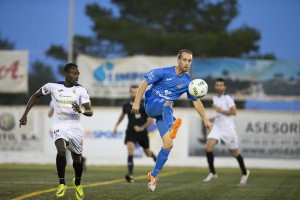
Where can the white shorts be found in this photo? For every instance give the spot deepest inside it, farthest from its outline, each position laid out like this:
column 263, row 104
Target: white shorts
column 72, row 135
column 227, row 135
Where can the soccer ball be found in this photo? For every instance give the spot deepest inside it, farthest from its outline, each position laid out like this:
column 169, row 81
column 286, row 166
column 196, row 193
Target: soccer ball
column 198, row 88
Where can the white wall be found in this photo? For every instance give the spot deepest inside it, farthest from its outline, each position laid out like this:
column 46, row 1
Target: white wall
column 267, row 139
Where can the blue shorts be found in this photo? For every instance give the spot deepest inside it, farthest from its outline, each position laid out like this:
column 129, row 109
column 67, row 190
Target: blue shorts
column 154, row 108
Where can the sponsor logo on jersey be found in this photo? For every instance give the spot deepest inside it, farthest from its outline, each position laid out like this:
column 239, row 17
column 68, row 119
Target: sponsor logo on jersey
column 179, row 86
column 61, row 95
column 45, row 90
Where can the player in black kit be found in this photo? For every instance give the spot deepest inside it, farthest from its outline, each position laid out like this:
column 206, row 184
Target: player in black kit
column 136, row 131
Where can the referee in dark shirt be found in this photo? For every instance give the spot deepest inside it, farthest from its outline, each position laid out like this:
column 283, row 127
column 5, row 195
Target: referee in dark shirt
column 136, row 131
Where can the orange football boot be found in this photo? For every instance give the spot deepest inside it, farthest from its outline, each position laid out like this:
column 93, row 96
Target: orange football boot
column 174, row 129
column 152, row 182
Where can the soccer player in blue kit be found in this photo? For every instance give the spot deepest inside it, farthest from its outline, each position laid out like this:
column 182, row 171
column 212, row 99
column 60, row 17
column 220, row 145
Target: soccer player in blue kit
column 167, row 85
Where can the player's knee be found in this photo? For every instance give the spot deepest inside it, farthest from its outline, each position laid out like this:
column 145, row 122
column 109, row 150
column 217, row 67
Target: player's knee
column 62, row 151
column 235, row 153
column 208, row 148
column 77, row 159
column 148, row 153
column 130, row 151
column 168, row 103
column 168, row 146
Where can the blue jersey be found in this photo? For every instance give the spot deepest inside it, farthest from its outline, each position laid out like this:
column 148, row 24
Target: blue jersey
column 166, row 84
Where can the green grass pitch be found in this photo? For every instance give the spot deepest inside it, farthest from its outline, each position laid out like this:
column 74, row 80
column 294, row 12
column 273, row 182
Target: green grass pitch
column 107, row 182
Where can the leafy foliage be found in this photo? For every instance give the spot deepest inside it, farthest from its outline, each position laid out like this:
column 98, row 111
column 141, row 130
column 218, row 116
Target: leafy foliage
column 57, row 52
column 41, row 74
column 163, row 27
column 5, row 44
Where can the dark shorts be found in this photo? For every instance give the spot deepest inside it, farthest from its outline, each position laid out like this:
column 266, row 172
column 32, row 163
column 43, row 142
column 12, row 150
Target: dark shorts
column 140, row 137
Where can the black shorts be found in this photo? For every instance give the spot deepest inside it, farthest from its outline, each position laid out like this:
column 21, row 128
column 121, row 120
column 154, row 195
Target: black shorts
column 140, row 137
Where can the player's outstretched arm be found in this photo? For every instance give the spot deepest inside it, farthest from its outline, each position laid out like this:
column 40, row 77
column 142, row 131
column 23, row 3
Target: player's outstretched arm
column 88, row 111
column 32, row 101
column 118, row 122
column 148, row 123
column 138, row 98
column 201, row 111
column 232, row 110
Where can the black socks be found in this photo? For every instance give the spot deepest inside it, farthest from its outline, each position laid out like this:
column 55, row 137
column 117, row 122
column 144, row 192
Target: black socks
column 61, row 162
column 130, row 164
column 78, row 167
column 242, row 165
column 210, row 160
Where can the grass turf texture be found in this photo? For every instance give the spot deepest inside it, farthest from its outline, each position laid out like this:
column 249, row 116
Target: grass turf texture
column 107, row 182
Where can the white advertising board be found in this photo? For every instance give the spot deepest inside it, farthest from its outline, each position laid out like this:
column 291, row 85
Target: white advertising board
column 13, row 71
column 265, row 140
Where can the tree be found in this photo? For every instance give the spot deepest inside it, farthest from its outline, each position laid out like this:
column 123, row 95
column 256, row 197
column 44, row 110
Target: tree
column 82, row 45
column 40, row 75
column 5, row 44
column 163, row 27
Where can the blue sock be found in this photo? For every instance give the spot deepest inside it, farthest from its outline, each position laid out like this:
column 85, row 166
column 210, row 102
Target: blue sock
column 167, row 115
column 162, row 157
